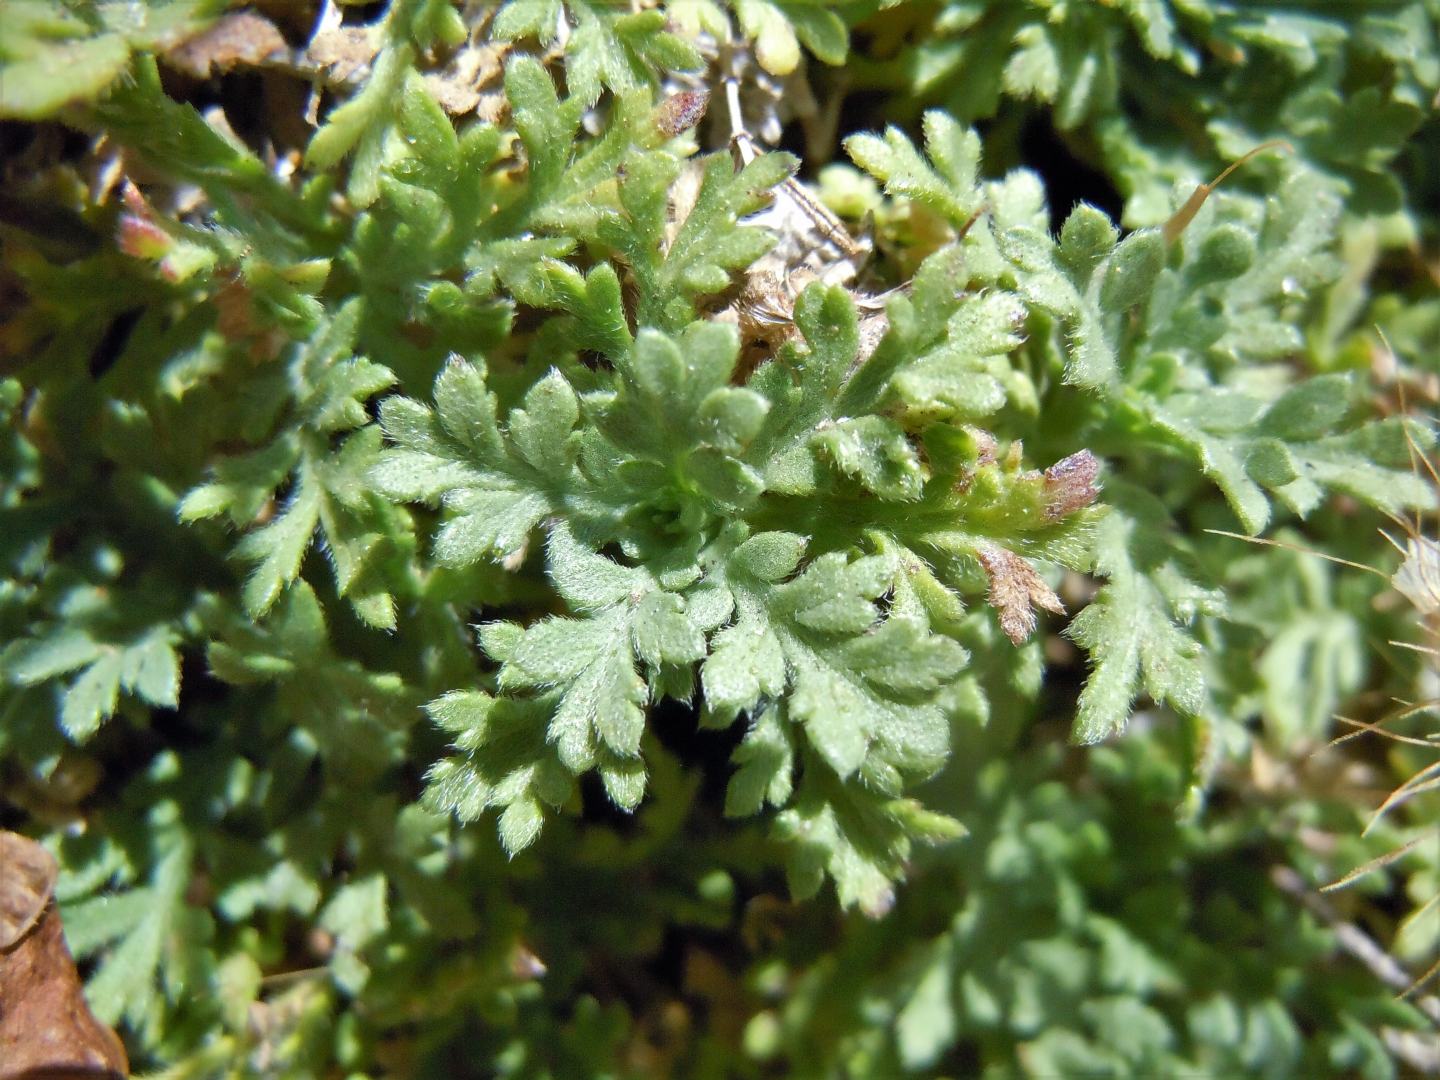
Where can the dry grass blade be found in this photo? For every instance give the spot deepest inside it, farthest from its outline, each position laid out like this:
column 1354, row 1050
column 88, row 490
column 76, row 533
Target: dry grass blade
column 1377, row 863
column 1427, row 779
column 1265, row 542
column 1430, row 973
column 1364, row 728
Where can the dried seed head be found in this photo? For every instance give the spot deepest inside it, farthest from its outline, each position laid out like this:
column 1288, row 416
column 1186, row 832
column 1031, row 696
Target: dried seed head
column 1016, row 590
column 1070, row 484
column 680, row 112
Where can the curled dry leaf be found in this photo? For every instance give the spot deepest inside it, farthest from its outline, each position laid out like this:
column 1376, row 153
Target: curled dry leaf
column 344, row 53
column 470, row 82
column 240, row 39
column 1418, row 578
column 46, row 1029
column 26, row 885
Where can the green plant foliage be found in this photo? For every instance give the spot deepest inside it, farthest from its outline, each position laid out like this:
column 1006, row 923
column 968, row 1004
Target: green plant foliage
column 1347, row 86
column 1077, row 960
column 327, row 490
column 493, row 582
column 58, row 54
column 679, row 499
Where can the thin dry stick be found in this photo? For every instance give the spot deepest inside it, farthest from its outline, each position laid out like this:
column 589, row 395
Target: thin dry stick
column 820, row 215
column 1355, row 941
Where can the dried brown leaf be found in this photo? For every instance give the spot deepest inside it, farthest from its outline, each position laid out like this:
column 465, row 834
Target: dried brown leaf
column 46, row 1029
column 345, row 52
column 240, row 39
column 27, row 881
column 472, row 76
